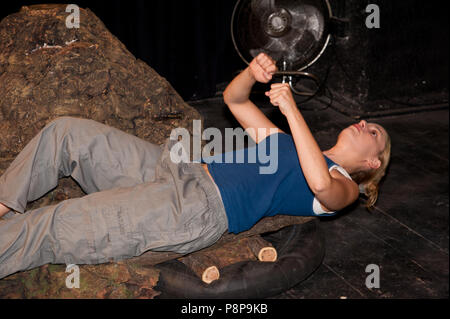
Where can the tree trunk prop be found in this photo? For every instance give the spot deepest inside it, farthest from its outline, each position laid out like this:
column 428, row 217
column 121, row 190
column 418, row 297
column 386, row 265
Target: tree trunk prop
column 48, row 70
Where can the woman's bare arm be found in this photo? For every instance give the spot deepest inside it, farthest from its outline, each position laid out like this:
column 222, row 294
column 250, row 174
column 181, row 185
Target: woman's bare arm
column 334, row 192
column 237, row 94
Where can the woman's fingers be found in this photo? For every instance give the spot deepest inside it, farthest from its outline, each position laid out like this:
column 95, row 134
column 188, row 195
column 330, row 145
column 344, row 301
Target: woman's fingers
column 267, row 76
column 263, row 59
column 277, row 90
column 279, row 94
column 277, row 87
column 277, row 98
column 274, row 94
column 267, row 63
column 272, row 68
column 262, row 68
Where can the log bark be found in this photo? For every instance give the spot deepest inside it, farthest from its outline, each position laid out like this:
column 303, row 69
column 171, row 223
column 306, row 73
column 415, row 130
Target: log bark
column 262, row 249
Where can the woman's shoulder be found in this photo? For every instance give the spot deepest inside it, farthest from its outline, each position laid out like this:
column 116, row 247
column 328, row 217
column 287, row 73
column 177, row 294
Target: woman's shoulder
column 337, row 171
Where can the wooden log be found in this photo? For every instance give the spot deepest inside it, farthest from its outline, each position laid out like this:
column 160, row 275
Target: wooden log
column 262, row 249
column 207, row 264
column 203, row 266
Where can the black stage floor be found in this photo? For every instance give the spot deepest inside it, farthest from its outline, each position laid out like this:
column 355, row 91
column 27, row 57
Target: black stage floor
column 406, row 235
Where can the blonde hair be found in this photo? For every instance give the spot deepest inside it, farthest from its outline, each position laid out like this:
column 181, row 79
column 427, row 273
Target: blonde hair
column 369, row 180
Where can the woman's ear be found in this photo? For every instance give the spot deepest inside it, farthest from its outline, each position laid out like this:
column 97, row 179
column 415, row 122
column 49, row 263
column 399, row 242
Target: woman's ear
column 374, row 163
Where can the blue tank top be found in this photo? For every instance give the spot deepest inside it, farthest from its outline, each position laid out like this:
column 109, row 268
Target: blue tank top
column 263, row 180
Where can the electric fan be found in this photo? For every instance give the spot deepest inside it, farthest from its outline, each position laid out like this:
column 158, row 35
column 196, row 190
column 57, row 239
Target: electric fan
column 295, row 33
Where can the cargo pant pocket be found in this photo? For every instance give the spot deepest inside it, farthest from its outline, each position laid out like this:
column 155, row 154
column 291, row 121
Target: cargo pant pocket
column 74, row 236
column 113, row 236
column 95, row 236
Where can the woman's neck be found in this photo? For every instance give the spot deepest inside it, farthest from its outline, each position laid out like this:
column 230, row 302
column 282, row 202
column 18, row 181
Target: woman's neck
column 341, row 158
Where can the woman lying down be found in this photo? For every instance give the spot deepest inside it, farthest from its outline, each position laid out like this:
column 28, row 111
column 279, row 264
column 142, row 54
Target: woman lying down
column 138, row 199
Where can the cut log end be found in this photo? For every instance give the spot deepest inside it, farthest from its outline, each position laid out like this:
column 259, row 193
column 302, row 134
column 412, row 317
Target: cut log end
column 203, row 265
column 267, row 254
column 262, row 249
column 210, row 274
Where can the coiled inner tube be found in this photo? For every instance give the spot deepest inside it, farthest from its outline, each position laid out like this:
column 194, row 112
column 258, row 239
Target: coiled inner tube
column 300, row 248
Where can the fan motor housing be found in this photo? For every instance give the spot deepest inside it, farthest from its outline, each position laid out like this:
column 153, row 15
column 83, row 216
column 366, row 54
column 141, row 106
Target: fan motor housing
column 278, row 23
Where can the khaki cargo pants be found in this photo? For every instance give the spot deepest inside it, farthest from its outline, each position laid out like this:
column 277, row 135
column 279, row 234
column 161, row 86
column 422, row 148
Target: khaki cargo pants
column 138, row 199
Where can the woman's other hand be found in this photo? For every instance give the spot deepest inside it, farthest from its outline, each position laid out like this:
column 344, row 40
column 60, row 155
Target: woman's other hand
column 280, row 95
column 262, row 68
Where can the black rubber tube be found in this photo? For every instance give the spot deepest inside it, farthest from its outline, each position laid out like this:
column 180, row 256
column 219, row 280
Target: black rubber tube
column 300, row 249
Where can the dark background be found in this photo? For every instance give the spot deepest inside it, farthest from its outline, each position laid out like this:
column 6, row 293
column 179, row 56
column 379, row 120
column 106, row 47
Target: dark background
column 189, row 43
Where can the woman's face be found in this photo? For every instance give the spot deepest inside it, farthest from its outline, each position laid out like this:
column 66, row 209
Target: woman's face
column 365, row 140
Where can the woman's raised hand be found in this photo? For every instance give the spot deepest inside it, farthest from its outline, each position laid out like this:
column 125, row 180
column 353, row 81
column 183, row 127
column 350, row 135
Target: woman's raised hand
column 280, row 95
column 262, row 68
